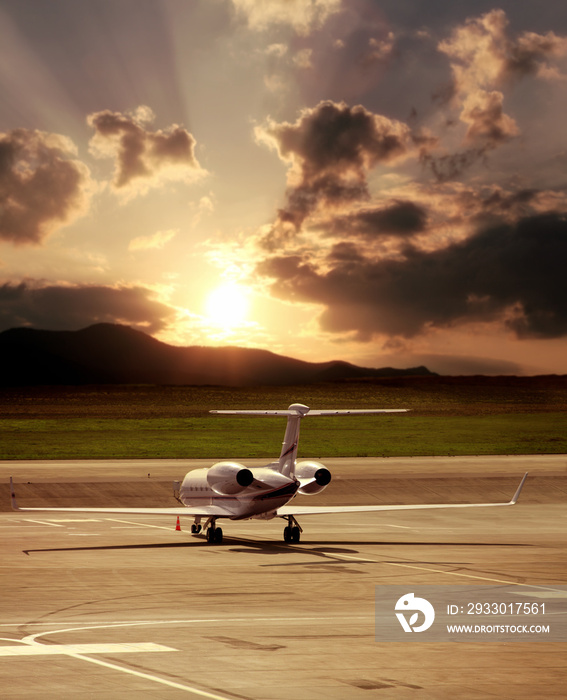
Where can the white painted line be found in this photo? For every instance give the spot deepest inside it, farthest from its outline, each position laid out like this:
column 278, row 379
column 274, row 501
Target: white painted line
column 124, row 527
column 348, row 556
column 155, row 679
column 473, row 576
column 129, row 522
column 402, row 527
column 30, row 647
column 55, row 649
column 42, row 522
column 154, row 623
column 75, row 520
column 423, row 568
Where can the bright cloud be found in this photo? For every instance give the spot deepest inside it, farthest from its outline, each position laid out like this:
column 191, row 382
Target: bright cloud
column 302, row 15
column 154, row 242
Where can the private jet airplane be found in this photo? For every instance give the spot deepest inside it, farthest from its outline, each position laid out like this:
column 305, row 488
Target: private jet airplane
column 231, row 490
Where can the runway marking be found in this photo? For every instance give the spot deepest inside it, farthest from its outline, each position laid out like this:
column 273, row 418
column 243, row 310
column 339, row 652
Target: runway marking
column 42, row 522
column 330, row 555
column 347, row 556
column 402, row 527
column 456, row 573
column 83, row 534
column 129, row 522
column 75, row 520
column 77, row 651
column 155, row 679
column 71, row 649
column 197, row 620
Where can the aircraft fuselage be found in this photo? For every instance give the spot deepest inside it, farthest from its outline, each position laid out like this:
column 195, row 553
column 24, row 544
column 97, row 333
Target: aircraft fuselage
column 268, row 491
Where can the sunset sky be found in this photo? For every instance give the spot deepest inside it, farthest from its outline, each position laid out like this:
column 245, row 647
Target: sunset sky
column 379, row 181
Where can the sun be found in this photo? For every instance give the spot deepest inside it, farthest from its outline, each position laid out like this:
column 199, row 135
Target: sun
column 227, row 306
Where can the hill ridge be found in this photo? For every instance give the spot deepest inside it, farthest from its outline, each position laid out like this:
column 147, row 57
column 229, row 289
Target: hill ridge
column 107, row 353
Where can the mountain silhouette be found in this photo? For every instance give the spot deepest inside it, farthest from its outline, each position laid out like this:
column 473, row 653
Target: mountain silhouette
column 115, row 354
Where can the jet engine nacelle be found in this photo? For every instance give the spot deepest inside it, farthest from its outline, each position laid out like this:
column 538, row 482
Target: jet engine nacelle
column 228, row 478
column 314, row 477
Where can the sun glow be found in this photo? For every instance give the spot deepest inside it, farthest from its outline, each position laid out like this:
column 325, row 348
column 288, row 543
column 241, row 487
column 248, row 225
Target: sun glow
column 227, row 306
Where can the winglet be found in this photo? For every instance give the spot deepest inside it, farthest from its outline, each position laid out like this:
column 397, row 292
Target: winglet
column 13, row 496
column 518, row 490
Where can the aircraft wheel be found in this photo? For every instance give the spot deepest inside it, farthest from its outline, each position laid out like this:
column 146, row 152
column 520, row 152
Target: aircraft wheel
column 295, row 534
column 211, row 535
column 287, row 534
column 218, row 535
column 194, row 528
column 199, row 528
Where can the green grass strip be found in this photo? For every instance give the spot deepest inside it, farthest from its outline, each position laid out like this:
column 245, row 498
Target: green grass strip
column 241, row 438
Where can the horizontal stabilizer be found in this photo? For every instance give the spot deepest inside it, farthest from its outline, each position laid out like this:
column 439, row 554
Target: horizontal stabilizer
column 288, row 412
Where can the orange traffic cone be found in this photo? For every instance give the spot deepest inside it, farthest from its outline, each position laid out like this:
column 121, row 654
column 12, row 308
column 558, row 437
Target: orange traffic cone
column 178, row 526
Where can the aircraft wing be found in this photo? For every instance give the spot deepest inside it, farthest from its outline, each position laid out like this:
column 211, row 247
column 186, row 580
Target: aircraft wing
column 321, row 510
column 205, row 511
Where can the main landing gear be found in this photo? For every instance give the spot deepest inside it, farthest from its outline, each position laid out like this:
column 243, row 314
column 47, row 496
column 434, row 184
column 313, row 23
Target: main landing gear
column 196, row 526
column 292, row 531
column 214, row 533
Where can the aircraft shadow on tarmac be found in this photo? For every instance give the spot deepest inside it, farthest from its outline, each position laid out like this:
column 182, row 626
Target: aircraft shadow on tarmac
column 263, row 547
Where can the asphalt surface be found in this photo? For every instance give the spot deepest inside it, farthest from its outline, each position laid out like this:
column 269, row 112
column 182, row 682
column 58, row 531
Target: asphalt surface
column 128, row 607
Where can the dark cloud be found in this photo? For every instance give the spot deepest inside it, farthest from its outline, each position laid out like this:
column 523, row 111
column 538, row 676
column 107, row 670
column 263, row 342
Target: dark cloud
column 452, row 165
column 488, row 128
column 74, row 307
column 399, row 218
column 345, row 252
column 511, row 273
column 141, row 155
column 331, row 148
column 328, row 189
column 41, row 186
column 340, row 140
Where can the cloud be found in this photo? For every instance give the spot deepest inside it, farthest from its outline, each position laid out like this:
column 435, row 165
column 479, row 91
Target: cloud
column 483, row 55
column 333, row 138
column 302, row 15
column 488, row 128
column 42, row 185
column 331, row 148
column 378, row 50
column 154, row 242
column 144, row 158
column 71, row 307
column 512, row 274
column 488, row 125
column 484, row 59
column 398, row 218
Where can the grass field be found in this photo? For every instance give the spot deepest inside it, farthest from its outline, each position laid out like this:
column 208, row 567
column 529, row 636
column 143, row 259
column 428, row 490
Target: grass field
column 448, row 417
